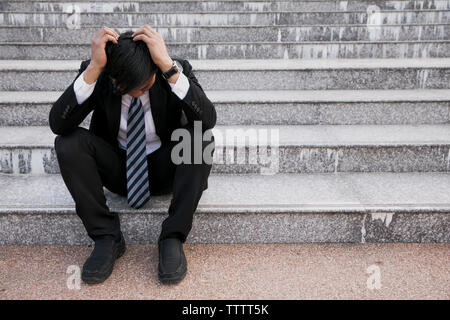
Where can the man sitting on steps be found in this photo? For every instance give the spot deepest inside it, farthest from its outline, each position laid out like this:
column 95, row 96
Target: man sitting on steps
column 139, row 96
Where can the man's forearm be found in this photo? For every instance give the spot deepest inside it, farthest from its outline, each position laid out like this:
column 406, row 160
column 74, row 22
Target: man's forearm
column 66, row 113
column 91, row 73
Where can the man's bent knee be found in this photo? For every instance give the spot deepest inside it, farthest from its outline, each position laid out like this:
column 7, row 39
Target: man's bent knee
column 66, row 146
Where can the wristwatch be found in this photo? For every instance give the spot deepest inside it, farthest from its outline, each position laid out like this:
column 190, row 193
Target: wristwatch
column 176, row 67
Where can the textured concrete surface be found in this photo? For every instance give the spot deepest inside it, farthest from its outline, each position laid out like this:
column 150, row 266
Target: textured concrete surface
column 266, row 96
column 245, row 112
column 315, row 74
column 396, row 78
column 221, row 18
column 247, row 271
column 316, row 79
column 322, row 135
column 197, row 5
column 309, row 149
column 306, row 37
column 250, row 64
column 249, row 50
column 382, row 207
column 242, row 33
column 305, row 192
column 333, row 79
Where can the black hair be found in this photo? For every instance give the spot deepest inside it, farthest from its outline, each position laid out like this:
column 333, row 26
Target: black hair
column 129, row 63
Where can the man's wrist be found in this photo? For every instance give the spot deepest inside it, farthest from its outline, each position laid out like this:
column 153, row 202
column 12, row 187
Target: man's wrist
column 166, row 65
column 174, row 78
column 92, row 73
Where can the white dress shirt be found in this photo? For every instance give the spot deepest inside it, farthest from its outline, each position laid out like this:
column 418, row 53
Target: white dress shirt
column 153, row 142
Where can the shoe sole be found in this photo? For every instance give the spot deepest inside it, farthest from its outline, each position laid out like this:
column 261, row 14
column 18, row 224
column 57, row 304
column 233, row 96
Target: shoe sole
column 100, row 279
column 170, row 280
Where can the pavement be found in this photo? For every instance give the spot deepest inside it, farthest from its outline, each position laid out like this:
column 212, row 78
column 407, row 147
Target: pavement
column 237, row 271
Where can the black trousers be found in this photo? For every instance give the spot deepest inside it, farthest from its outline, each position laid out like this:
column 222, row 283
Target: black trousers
column 88, row 163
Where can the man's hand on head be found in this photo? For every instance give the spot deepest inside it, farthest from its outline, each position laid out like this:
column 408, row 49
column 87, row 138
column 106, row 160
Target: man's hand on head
column 156, row 46
column 98, row 54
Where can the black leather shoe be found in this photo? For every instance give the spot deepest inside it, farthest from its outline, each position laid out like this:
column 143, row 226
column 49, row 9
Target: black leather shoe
column 172, row 265
column 99, row 266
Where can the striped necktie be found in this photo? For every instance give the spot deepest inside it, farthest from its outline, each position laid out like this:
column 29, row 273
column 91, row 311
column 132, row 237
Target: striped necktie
column 137, row 170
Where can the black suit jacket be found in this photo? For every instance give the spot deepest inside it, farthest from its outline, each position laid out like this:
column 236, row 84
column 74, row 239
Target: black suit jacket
column 167, row 109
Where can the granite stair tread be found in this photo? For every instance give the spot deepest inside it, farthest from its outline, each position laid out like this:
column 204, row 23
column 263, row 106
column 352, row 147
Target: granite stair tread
column 249, row 64
column 244, row 193
column 261, row 96
column 289, row 135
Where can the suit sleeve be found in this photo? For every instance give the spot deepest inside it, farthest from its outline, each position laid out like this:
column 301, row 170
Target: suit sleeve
column 196, row 105
column 82, row 89
column 66, row 114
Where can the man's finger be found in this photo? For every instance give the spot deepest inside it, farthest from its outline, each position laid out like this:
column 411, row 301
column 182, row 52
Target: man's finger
column 113, row 34
column 142, row 37
column 149, row 28
column 144, row 30
column 138, row 31
column 108, row 37
column 110, row 31
column 141, row 31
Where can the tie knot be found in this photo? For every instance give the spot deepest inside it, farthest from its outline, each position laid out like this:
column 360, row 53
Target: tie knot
column 134, row 102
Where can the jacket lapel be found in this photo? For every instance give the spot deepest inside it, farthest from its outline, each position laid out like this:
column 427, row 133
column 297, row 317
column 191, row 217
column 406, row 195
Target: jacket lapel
column 158, row 102
column 116, row 103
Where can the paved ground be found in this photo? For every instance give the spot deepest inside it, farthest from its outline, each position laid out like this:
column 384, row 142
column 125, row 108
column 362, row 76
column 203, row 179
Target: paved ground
column 238, row 271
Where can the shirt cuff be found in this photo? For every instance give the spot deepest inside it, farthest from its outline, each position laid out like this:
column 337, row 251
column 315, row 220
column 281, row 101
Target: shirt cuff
column 82, row 89
column 181, row 87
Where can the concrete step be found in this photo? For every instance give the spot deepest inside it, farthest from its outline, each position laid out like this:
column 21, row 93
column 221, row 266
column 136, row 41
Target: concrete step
column 197, row 5
column 206, row 18
column 275, row 107
column 249, row 50
column 293, row 149
column 231, row 272
column 241, row 33
column 258, row 74
column 344, row 207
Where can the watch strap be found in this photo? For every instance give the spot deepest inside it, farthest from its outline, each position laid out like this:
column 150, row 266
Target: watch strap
column 171, row 71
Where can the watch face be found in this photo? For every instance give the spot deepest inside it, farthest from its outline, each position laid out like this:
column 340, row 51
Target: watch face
column 180, row 67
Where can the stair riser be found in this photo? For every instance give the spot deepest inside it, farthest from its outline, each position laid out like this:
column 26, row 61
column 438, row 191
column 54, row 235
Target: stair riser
column 66, row 228
column 250, row 6
column 285, row 159
column 277, row 113
column 396, row 78
column 242, row 34
column 222, row 19
column 350, row 50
